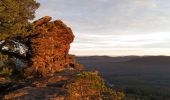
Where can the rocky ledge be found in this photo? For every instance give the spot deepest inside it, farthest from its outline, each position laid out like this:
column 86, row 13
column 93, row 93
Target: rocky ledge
column 46, row 70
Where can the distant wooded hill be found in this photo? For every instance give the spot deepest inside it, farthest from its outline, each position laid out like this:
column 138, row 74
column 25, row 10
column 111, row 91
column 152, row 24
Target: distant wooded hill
column 139, row 76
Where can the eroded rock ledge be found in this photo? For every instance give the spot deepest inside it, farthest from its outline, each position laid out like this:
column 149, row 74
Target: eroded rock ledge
column 45, row 50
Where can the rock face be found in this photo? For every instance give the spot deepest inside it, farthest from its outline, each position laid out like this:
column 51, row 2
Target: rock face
column 50, row 45
column 46, row 48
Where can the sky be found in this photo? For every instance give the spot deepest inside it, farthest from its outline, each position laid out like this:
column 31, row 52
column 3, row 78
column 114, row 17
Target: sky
column 113, row 27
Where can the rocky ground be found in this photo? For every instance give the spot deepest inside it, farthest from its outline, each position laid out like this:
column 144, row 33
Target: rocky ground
column 49, row 88
column 69, row 84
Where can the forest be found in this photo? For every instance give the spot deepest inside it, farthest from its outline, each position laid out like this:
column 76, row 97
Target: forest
column 140, row 77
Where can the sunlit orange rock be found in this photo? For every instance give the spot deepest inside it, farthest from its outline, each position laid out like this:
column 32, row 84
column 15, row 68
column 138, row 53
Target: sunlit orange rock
column 45, row 49
column 50, row 45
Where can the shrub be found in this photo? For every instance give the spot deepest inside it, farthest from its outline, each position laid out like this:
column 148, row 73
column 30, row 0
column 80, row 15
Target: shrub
column 90, row 85
column 5, row 71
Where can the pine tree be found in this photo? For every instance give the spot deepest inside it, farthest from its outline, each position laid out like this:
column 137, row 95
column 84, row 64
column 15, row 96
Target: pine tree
column 15, row 16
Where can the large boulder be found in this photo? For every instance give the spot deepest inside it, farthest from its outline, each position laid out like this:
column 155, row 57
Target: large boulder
column 50, row 45
column 45, row 49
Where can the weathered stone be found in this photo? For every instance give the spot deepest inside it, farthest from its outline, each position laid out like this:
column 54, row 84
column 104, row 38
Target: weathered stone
column 45, row 49
column 50, row 46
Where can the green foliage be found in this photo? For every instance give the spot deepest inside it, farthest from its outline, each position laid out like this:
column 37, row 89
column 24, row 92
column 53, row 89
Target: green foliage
column 7, row 68
column 3, row 57
column 98, row 84
column 15, row 16
column 5, row 71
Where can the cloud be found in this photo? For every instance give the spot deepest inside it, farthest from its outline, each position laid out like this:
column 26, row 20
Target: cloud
column 100, row 42
column 124, row 52
column 109, row 24
column 109, row 16
column 146, row 3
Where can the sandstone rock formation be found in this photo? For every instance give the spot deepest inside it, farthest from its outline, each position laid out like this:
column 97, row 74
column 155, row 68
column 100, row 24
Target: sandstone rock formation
column 45, row 52
column 50, row 45
column 46, row 48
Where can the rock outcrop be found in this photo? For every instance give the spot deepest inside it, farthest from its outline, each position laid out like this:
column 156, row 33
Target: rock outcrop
column 65, row 85
column 50, row 44
column 46, row 48
column 52, row 73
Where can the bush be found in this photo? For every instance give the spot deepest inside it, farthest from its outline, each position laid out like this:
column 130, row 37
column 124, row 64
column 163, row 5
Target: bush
column 90, row 84
column 5, row 71
column 7, row 68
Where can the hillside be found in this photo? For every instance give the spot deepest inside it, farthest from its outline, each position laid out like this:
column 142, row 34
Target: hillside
column 129, row 64
column 137, row 76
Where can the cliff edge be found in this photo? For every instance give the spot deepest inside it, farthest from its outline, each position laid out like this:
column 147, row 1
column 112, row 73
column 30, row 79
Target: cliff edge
column 44, row 69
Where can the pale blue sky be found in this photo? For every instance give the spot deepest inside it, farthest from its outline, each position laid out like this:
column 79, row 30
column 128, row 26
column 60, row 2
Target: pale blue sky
column 114, row 27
